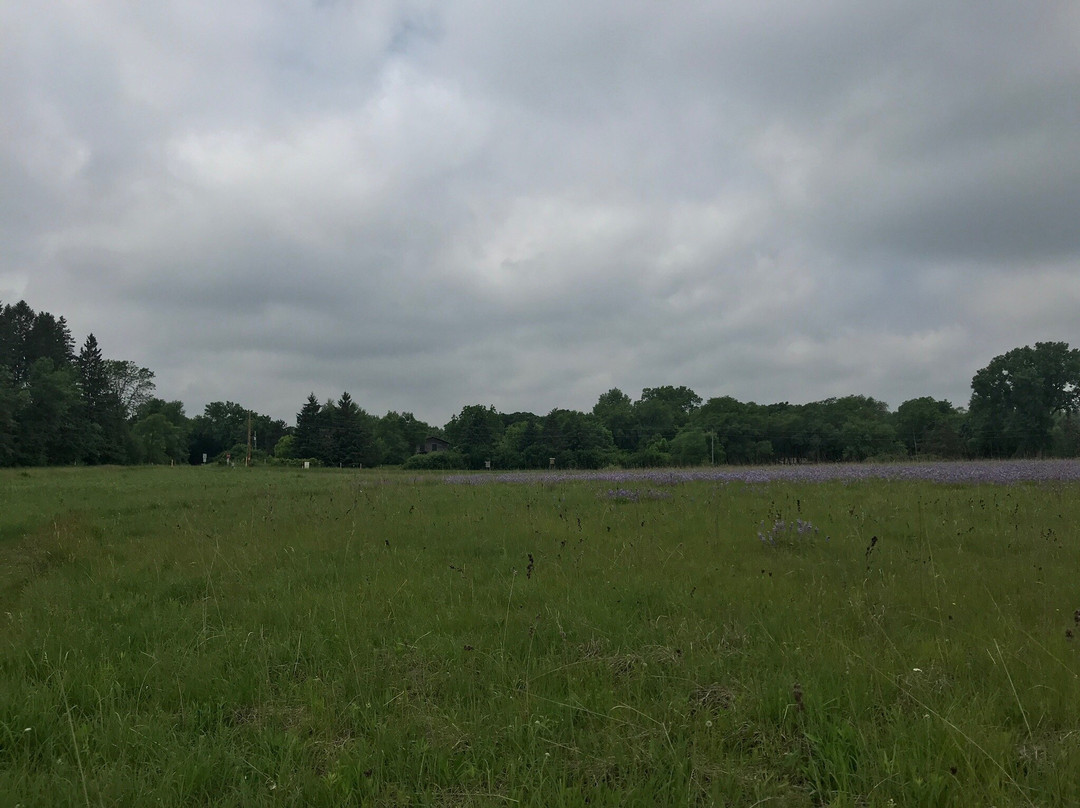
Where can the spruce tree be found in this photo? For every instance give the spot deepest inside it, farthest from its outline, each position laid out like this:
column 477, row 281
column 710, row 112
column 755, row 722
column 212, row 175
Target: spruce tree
column 309, row 430
column 104, row 439
column 20, row 320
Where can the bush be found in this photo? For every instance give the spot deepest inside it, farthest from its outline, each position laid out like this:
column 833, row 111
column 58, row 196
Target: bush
column 295, row 462
column 436, row 461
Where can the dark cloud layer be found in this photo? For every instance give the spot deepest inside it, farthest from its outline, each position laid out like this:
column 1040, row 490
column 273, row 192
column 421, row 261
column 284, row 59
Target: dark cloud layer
column 438, row 203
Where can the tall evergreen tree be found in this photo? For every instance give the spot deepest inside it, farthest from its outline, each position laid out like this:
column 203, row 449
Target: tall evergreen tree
column 352, row 441
column 310, row 440
column 93, row 378
column 105, row 431
column 7, row 340
column 49, row 338
column 18, row 322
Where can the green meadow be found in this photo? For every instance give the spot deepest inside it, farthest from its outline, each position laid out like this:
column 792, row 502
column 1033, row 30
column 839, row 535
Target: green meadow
column 244, row 637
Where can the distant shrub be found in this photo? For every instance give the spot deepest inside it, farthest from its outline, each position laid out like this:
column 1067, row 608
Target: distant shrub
column 295, row 462
column 436, row 461
column 285, row 448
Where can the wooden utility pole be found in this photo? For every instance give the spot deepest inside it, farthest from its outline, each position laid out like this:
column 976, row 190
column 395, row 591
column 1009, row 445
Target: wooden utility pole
column 249, row 439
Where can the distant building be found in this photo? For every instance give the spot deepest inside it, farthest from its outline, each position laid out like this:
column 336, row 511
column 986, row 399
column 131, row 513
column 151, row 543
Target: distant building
column 433, row 444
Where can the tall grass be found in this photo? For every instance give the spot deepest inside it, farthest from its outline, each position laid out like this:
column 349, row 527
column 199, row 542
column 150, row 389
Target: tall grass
column 278, row 637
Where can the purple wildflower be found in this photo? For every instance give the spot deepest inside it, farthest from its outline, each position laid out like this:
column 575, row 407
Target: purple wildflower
column 1003, row 472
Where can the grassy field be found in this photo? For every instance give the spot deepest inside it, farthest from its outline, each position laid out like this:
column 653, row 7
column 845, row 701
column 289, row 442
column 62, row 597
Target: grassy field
column 236, row 637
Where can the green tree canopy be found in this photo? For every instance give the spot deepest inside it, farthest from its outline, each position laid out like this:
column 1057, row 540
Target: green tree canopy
column 693, row 447
column 132, row 385
column 474, row 433
column 161, row 432
column 1016, row 397
column 222, row 425
column 928, row 426
column 27, row 336
column 575, row 440
column 616, row 412
column 398, row 435
column 47, row 416
column 105, row 438
column 9, row 402
column 352, row 440
column 312, row 431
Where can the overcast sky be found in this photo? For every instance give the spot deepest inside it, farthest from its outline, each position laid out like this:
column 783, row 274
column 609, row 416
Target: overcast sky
column 524, row 204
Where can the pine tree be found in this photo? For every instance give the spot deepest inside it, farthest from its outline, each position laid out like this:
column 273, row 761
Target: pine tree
column 104, row 438
column 7, row 341
column 93, row 380
column 49, row 338
column 347, row 430
column 309, row 430
column 19, row 320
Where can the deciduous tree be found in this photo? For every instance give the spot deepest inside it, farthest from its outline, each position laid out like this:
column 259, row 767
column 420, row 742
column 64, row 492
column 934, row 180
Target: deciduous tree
column 133, row 385
column 475, row 432
column 1016, row 397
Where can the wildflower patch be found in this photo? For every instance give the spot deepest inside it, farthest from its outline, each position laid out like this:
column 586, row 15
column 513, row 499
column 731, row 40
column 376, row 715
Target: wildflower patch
column 788, row 533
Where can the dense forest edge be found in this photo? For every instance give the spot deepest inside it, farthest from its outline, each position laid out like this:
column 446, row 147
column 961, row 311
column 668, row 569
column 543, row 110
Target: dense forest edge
column 62, row 406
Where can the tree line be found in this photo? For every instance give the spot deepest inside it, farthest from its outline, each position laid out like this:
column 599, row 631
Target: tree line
column 62, row 406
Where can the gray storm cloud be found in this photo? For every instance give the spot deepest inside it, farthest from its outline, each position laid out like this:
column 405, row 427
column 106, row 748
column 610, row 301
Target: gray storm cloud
column 434, row 204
